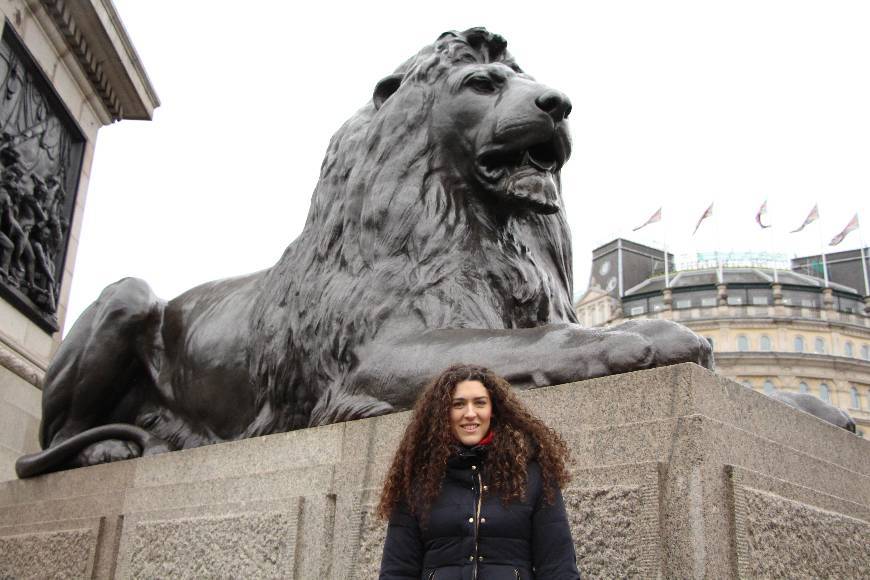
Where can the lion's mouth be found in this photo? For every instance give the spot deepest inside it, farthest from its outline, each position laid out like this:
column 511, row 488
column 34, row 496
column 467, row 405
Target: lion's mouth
column 524, row 176
column 497, row 163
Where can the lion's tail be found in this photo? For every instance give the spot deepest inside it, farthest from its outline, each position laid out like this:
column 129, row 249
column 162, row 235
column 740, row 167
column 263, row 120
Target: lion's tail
column 53, row 458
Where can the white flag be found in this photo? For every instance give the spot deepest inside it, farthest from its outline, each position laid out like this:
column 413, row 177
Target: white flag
column 707, row 213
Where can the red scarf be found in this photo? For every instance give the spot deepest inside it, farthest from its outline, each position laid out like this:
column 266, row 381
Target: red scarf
column 488, row 439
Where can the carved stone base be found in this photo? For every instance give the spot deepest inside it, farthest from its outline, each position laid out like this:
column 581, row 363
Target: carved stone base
column 677, row 473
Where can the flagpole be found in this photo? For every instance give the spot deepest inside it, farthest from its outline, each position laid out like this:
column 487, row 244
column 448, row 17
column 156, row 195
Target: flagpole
column 822, row 246
column 718, row 258
column 667, row 268
column 772, row 245
column 619, row 264
column 863, row 261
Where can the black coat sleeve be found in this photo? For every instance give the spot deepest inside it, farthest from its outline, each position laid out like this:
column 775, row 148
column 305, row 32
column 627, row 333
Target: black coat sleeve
column 553, row 555
column 403, row 548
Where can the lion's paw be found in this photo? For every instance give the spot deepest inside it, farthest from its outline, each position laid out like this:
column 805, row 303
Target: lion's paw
column 672, row 343
column 107, row 451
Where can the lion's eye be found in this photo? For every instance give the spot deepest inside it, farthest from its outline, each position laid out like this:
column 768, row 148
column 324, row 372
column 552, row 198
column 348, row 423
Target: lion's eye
column 481, row 84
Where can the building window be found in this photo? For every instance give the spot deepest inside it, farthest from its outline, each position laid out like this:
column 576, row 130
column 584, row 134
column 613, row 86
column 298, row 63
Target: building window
column 635, row 310
column 825, row 393
column 735, row 300
column 768, row 387
column 684, row 303
column 765, row 342
column 865, row 352
column 710, row 340
column 759, row 301
column 803, row 387
column 742, row 343
column 708, row 301
column 848, row 350
column 820, row 345
column 856, row 398
column 798, row 344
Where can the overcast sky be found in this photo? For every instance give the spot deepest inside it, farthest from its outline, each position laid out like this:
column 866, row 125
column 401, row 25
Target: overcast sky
column 676, row 104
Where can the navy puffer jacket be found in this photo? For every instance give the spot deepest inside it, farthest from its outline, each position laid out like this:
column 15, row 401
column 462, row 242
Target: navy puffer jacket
column 468, row 539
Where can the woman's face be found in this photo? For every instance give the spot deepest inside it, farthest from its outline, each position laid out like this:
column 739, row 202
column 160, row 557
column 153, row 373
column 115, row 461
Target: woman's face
column 470, row 412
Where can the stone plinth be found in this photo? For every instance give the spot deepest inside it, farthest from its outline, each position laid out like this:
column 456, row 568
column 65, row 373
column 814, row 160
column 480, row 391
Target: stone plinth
column 677, row 473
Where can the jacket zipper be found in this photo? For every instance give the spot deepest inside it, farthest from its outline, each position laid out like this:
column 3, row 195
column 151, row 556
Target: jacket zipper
column 431, row 575
column 517, row 573
column 477, row 526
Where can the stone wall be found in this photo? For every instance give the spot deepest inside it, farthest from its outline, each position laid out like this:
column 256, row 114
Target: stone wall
column 677, row 473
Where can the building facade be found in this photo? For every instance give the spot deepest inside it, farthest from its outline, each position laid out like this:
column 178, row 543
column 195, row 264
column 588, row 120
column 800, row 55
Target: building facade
column 770, row 329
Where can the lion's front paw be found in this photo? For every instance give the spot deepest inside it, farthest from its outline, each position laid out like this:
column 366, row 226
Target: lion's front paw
column 107, row 451
column 672, row 343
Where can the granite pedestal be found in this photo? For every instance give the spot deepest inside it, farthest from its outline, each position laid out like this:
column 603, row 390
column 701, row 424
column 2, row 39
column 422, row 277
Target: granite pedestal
column 677, row 473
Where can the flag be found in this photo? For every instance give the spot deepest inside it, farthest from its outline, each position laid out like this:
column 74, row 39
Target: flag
column 762, row 213
column 707, row 213
column 851, row 226
column 656, row 217
column 813, row 216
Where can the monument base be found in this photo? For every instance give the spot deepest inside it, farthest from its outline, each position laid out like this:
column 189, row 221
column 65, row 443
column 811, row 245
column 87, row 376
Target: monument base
column 677, row 473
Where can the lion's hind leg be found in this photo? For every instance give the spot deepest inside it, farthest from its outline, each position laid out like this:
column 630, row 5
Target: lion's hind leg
column 105, row 368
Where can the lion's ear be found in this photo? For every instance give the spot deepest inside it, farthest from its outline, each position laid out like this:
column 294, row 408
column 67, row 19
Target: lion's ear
column 385, row 89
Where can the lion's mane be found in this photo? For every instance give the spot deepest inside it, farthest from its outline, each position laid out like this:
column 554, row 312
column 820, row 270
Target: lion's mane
column 383, row 218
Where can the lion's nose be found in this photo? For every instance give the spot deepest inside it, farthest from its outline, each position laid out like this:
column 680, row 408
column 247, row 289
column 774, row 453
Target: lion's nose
column 555, row 104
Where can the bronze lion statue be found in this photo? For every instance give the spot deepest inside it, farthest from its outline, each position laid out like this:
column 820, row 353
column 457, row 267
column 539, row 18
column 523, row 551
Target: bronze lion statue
column 436, row 234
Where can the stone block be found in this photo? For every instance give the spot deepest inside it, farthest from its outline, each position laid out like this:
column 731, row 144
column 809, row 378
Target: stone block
column 13, row 324
column 779, row 537
column 38, row 343
column 255, row 543
column 18, row 430
column 293, row 450
column 230, row 489
column 7, row 463
column 20, row 411
column 57, row 550
column 88, row 120
column 39, row 46
column 90, row 147
column 614, row 518
column 65, row 85
column 16, row 391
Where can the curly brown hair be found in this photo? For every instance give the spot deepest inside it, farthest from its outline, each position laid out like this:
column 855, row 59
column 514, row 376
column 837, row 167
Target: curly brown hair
column 418, row 468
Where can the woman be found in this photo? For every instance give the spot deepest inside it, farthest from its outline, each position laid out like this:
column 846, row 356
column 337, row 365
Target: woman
column 473, row 492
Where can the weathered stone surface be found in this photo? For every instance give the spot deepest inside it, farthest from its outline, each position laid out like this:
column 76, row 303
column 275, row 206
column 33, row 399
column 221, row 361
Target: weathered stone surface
column 259, row 545
column 62, row 554
column 607, row 535
column 780, row 538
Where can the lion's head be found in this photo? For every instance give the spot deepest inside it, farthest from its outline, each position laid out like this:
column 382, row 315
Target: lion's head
column 504, row 133
column 457, row 155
